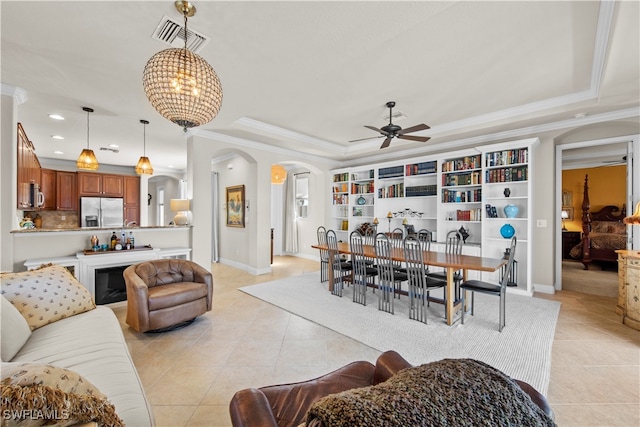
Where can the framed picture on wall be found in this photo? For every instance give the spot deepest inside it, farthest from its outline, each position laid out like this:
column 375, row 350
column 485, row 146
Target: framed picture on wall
column 235, row 206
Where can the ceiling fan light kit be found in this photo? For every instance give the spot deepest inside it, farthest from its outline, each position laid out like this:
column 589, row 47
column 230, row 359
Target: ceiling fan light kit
column 180, row 84
column 391, row 130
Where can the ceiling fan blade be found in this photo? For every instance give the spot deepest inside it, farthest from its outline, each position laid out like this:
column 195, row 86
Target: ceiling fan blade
column 415, row 128
column 386, row 142
column 364, row 139
column 415, row 138
column 374, row 128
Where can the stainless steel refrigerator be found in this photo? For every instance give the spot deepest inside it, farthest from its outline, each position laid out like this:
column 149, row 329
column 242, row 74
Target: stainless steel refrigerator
column 102, row 212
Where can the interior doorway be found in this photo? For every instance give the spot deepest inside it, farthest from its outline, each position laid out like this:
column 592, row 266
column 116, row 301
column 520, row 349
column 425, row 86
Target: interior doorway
column 584, row 157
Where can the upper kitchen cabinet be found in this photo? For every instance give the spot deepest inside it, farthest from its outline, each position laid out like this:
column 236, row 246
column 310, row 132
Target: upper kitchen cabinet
column 60, row 190
column 132, row 199
column 28, row 169
column 100, row 185
column 66, row 191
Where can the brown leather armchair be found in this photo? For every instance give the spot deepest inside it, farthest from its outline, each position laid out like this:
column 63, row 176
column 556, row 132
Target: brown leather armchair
column 286, row 405
column 166, row 292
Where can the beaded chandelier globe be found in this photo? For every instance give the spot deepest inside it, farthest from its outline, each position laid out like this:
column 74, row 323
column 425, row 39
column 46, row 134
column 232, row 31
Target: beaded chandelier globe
column 180, row 84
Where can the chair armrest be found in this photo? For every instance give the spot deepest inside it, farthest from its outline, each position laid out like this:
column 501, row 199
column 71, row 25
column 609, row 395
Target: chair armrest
column 388, row 364
column 202, row 275
column 537, row 398
column 137, row 300
column 250, row 408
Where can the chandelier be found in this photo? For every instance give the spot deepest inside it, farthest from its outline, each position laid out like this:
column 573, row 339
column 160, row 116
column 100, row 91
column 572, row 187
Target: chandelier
column 180, row 84
column 87, row 160
column 144, row 164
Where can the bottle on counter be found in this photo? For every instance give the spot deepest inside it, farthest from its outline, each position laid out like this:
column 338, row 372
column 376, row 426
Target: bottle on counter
column 114, row 241
column 94, row 243
column 131, row 240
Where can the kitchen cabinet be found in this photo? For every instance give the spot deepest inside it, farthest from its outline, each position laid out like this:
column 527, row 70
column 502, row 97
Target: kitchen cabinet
column 28, row 169
column 48, row 188
column 100, row 185
column 132, row 199
column 66, row 191
column 59, row 189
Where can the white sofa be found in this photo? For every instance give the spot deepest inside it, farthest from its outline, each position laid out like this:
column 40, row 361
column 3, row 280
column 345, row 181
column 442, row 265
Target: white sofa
column 90, row 344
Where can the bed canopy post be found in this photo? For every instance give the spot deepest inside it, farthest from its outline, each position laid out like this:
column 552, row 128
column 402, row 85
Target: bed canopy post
column 586, row 225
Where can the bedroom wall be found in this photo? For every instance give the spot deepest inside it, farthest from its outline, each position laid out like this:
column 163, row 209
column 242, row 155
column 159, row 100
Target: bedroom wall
column 607, row 186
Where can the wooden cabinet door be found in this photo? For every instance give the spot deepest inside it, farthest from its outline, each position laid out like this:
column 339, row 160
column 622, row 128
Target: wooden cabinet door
column 132, row 214
column 66, row 191
column 112, row 185
column 89, row 184
column 48, row 188
column 23, row 169
column 131, row 191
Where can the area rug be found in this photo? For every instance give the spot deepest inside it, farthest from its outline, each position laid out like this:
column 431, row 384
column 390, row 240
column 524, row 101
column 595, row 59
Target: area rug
column 522, row 350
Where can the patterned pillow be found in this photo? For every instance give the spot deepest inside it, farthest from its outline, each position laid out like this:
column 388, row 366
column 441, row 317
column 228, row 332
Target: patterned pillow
column 46, row 295
column 34, row 394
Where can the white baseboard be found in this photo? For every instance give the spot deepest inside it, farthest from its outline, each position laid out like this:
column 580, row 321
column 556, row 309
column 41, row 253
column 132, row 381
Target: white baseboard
column 544, row 289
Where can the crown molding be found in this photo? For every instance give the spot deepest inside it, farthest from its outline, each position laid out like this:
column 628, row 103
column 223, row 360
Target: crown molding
column 17, row 93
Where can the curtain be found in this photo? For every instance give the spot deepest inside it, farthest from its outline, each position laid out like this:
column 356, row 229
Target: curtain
column 215, row 218
column 290, row 225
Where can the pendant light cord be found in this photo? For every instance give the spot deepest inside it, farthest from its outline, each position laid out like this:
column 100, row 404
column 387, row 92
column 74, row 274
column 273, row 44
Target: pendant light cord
column 88, row 129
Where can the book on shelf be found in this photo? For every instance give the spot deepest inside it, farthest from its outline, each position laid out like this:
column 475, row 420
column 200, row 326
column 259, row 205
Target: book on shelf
column 507, row 157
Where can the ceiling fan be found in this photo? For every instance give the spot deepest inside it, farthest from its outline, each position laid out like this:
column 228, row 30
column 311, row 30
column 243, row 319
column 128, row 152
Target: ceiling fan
column 391, row 131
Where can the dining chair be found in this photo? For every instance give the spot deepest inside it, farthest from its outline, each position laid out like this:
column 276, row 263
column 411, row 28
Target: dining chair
column 453, row 245
column 324, row 254
column 499, row 289
column 362, row 271
column 340, row 270
column 425, row 235
column 396, row 237
column 419, row 282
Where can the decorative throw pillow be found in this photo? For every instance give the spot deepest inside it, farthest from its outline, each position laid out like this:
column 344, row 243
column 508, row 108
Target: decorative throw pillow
column 15, row 330
column 35, row 395
column 46, row 295
column 450, row 392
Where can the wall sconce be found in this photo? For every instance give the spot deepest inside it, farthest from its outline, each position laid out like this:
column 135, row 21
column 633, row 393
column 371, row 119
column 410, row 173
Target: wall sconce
column 635, row 218
column 278, row 174
column 180, row 206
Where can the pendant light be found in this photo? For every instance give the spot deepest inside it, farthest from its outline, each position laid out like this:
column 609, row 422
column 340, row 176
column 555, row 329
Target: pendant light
column 144, row 165
column 87, row 160
column 181, row 85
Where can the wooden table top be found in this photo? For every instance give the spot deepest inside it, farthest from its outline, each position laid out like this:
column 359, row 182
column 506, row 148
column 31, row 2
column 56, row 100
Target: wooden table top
column 438, row 259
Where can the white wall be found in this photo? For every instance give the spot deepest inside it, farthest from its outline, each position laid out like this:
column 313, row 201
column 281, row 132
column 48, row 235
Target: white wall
column 250, row 247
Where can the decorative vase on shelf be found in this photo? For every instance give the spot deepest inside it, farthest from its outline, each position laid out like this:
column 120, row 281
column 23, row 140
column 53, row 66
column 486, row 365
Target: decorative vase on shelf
column 506, row 192
column 511, row 211
column 507, row 231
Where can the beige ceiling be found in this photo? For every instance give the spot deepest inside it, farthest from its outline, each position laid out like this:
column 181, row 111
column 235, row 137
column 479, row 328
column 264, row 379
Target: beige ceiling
column 307, row 76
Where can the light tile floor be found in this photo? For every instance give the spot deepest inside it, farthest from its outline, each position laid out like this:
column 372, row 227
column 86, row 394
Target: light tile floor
column 191, row 374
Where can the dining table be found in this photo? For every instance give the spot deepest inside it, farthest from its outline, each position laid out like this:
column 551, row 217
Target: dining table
column 450, row 262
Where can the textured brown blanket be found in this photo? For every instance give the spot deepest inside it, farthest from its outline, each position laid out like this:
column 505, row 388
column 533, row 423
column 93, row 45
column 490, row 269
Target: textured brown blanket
column 450, row 392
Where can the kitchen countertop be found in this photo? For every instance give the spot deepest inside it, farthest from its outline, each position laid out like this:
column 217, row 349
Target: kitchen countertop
column 99, row 229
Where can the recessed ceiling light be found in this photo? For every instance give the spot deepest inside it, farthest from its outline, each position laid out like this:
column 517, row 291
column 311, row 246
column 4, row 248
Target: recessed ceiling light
column 170, row 166
column 56, row 117
column 580, row 115
column 58, row 152
column 114, row 146
column 57, row 137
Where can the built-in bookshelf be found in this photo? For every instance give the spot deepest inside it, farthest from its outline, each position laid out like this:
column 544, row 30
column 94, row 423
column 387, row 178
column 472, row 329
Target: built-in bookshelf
column 443, row 193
